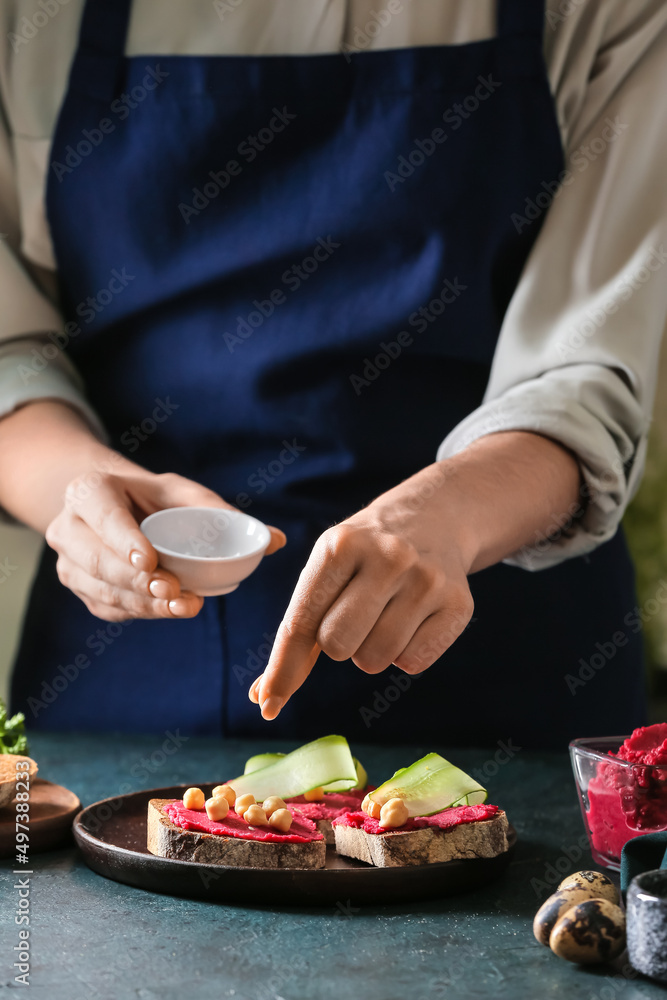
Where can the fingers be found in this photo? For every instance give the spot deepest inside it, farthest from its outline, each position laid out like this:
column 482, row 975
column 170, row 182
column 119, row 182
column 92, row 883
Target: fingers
column 107, row 510
column 389, row 636
column 424, row 594
column 287, row 669
column 278, row 540
column 295, row 650
column 107, row 560
column 433, row 638
column 84, row 549
column 171, row 490
column 253, row 693
column 409, row 618
column 354, row 614
column 116, row 603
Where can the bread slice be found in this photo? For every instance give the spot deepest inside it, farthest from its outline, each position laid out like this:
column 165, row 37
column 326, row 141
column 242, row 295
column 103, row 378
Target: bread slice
column 323, row 811
column 396, row 848
column 167, row 840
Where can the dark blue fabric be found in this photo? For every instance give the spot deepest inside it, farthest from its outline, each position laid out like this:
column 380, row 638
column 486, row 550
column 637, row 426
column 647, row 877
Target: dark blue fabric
column 355, row 218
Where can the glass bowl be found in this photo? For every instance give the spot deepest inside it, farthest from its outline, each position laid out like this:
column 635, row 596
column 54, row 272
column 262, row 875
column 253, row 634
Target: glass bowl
column 619, row 800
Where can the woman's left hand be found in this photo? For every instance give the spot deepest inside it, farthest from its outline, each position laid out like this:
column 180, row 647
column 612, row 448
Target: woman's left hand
column 389, row 584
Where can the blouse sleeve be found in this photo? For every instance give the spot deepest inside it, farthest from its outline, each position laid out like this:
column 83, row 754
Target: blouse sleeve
column 578, row 351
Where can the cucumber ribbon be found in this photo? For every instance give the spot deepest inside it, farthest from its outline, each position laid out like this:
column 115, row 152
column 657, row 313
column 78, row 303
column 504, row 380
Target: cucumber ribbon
column 261, row 760
column 430, row 785
column 326, row 763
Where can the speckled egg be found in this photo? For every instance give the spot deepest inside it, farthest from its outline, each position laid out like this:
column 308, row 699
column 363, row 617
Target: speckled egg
column 553, row 908
column 600, row 885
column 591, row 931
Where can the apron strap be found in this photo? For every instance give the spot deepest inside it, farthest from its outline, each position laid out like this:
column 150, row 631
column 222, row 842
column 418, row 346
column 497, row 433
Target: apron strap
column 99, row 59
column 521, row 17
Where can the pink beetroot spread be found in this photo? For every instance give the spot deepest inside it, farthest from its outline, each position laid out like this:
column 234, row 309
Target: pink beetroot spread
column 445, row 820
column 302, row 830
column 332, row 805
column 627, row 801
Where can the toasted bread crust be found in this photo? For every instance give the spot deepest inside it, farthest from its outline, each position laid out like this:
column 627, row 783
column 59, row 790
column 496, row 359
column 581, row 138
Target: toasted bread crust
column 482, row 839
column 166, row 840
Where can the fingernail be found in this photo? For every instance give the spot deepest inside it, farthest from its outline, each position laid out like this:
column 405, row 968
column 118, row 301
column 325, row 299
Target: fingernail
column 271, row 707
column 160, row 589
column 252, row 694
column 137, row 558
column 178, row 607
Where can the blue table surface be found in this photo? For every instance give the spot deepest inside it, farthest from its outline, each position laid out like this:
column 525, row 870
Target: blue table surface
column 93, row 939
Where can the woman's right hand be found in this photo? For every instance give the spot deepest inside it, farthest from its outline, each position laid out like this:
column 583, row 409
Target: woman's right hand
column 105, row 559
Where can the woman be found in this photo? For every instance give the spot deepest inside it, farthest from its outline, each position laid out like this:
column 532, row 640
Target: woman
column 390, row 271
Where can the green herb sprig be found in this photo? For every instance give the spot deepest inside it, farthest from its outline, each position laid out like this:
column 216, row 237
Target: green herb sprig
column 12, row 732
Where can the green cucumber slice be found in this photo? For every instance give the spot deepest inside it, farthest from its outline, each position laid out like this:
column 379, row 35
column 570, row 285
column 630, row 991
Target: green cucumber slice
column 343, row 786
column 430, row 785
column 261, row 760
column 313, row 765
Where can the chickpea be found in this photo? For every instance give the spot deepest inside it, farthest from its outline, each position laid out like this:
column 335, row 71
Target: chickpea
column 370, row 807
column 314, row 795
column 194, row 798
column 255, row 816
column 226, row 791
column 393, row 813
column 217, row 808
column 242, row 803
column 271, row 804
column 281, row 820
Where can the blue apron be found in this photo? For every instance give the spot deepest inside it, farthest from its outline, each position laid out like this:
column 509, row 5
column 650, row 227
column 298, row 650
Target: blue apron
column 285, row 277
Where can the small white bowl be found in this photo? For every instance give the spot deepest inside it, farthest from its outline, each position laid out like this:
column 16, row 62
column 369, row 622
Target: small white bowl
column 209, row 549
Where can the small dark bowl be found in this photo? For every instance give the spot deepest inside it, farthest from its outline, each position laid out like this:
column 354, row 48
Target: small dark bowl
column 647, row 924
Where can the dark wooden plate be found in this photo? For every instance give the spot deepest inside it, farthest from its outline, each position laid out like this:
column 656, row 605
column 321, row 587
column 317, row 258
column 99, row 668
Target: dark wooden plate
column 112, row 837
column 52, row 809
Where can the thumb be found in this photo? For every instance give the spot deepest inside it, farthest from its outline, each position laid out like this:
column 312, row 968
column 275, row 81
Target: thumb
column 172, row 490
